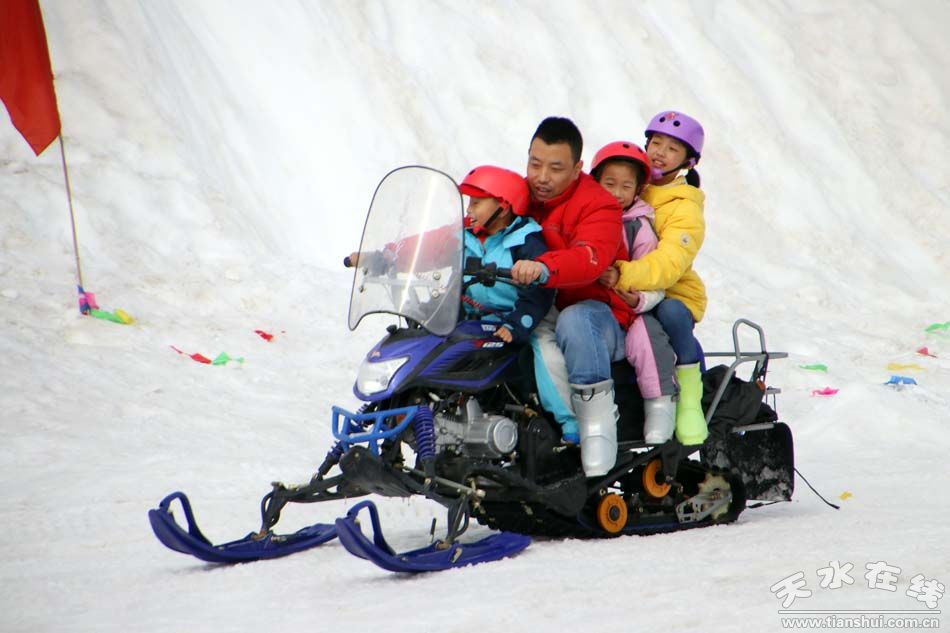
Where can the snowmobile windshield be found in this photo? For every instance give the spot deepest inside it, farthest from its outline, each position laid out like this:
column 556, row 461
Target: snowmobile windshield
column 410, row 257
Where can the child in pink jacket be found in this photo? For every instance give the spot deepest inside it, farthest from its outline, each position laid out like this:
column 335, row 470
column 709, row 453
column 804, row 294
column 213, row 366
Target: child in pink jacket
column 622, row 168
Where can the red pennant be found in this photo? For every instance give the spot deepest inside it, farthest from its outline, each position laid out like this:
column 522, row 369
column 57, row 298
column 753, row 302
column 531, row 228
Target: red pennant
column 26, row 77
column 264, row 335
column 195, row 357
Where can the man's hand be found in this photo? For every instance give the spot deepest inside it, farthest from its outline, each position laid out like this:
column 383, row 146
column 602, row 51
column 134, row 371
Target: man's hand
column 373, row 263
column 526, row 271
column 609, row 277
column 504, row 334
column 632, row 299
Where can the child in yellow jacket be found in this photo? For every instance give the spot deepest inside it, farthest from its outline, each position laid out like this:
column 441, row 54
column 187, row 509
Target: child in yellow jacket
column 674, row 146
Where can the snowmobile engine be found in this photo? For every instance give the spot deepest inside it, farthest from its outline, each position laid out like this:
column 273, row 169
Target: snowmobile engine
column 475, row 434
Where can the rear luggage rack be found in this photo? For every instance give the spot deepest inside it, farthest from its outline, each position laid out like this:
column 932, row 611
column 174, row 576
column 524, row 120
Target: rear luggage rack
column 761, row 359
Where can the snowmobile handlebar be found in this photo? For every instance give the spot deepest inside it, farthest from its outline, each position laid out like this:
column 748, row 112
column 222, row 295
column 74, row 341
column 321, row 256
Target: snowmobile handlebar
column 477, row 271
column 484, row 274
column 473, row 266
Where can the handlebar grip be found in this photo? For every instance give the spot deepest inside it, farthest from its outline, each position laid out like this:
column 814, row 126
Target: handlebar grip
column 503, row 273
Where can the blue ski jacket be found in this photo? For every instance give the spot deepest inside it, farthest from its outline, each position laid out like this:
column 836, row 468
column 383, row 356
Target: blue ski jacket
column 520, row 308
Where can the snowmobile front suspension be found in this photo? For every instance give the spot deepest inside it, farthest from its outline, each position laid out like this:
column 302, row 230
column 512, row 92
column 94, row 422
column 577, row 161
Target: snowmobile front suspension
column 368, row 472
column 281, row 494
column 363, row 427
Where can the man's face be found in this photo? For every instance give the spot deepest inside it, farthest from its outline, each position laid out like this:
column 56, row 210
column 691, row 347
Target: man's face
column 550, row 169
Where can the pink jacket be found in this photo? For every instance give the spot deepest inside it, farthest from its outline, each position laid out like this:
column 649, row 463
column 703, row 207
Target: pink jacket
column 644, row 242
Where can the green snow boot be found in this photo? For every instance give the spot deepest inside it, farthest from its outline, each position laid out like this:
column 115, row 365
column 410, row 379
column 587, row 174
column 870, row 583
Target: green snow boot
column 690, row 421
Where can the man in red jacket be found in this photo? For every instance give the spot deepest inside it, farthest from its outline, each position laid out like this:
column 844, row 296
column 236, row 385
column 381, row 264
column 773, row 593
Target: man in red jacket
column 576, row 343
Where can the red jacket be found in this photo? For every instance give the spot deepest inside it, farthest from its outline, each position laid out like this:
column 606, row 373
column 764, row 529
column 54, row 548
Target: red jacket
column 584, row 232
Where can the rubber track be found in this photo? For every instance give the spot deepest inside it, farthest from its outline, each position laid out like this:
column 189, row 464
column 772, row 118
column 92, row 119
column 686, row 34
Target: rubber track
column 536, row 520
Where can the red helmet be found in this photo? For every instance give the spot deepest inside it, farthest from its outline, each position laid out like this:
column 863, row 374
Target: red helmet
column 488, row 181
column 624, row 150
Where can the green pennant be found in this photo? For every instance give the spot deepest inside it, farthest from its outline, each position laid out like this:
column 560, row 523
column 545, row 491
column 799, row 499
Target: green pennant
column 223, row 358
column 106, row 316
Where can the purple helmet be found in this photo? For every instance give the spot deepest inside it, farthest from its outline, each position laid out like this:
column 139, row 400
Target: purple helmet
column 682, row 127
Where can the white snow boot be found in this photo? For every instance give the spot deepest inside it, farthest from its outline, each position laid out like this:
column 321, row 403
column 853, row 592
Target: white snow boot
column 597, row 424
column 660, row 419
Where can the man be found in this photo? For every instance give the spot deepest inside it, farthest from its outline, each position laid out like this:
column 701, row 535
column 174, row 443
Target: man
column 574, row 348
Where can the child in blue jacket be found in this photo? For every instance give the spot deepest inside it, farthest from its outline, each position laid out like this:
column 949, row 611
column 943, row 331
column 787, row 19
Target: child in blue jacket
column 498, row 231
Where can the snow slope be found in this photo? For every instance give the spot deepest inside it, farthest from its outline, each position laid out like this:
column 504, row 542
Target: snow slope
column 222, row 155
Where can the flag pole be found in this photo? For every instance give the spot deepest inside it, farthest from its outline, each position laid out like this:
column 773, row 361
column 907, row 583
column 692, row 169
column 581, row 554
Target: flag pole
column 72, row 216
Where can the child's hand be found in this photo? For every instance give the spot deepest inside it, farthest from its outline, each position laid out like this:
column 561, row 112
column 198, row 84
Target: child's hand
column 526, row 271
column 504, row 334
column 609, row 277
column 632, row 299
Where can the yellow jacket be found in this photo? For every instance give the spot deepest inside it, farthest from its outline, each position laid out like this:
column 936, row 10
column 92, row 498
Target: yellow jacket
column 680, row 228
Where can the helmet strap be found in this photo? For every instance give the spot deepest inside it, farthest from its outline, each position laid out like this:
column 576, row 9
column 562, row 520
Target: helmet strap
column 687, row 164
column 494, row 216
column 664, row 174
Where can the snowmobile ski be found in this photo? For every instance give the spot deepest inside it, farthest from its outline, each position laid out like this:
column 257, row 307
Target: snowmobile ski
column 250, row 548
column 436, row 557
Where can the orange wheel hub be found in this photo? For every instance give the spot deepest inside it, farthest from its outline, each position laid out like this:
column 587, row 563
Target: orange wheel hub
column 651, row 484
column 612, row 513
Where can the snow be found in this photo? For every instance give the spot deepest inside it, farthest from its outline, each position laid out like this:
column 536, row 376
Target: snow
column 222, row 156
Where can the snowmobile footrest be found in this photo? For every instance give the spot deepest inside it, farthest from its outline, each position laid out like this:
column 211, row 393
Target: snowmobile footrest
column 251, row 547
column 436, row 557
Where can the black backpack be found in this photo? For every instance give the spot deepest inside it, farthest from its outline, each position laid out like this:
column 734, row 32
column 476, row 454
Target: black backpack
column 741, row 401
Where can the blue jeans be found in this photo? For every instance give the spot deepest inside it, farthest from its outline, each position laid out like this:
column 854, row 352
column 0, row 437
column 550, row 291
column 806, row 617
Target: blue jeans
column 591, row 340
column 678, row 322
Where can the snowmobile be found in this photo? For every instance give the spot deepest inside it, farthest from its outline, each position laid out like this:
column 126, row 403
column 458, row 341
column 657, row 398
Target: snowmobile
column 450, row 413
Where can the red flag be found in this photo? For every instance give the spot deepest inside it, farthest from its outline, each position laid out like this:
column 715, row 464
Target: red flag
column 26, row 77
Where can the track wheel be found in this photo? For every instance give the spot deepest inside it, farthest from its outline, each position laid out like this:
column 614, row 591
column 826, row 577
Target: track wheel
column 715, row 484
column 652, row 484
column 612, row 513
